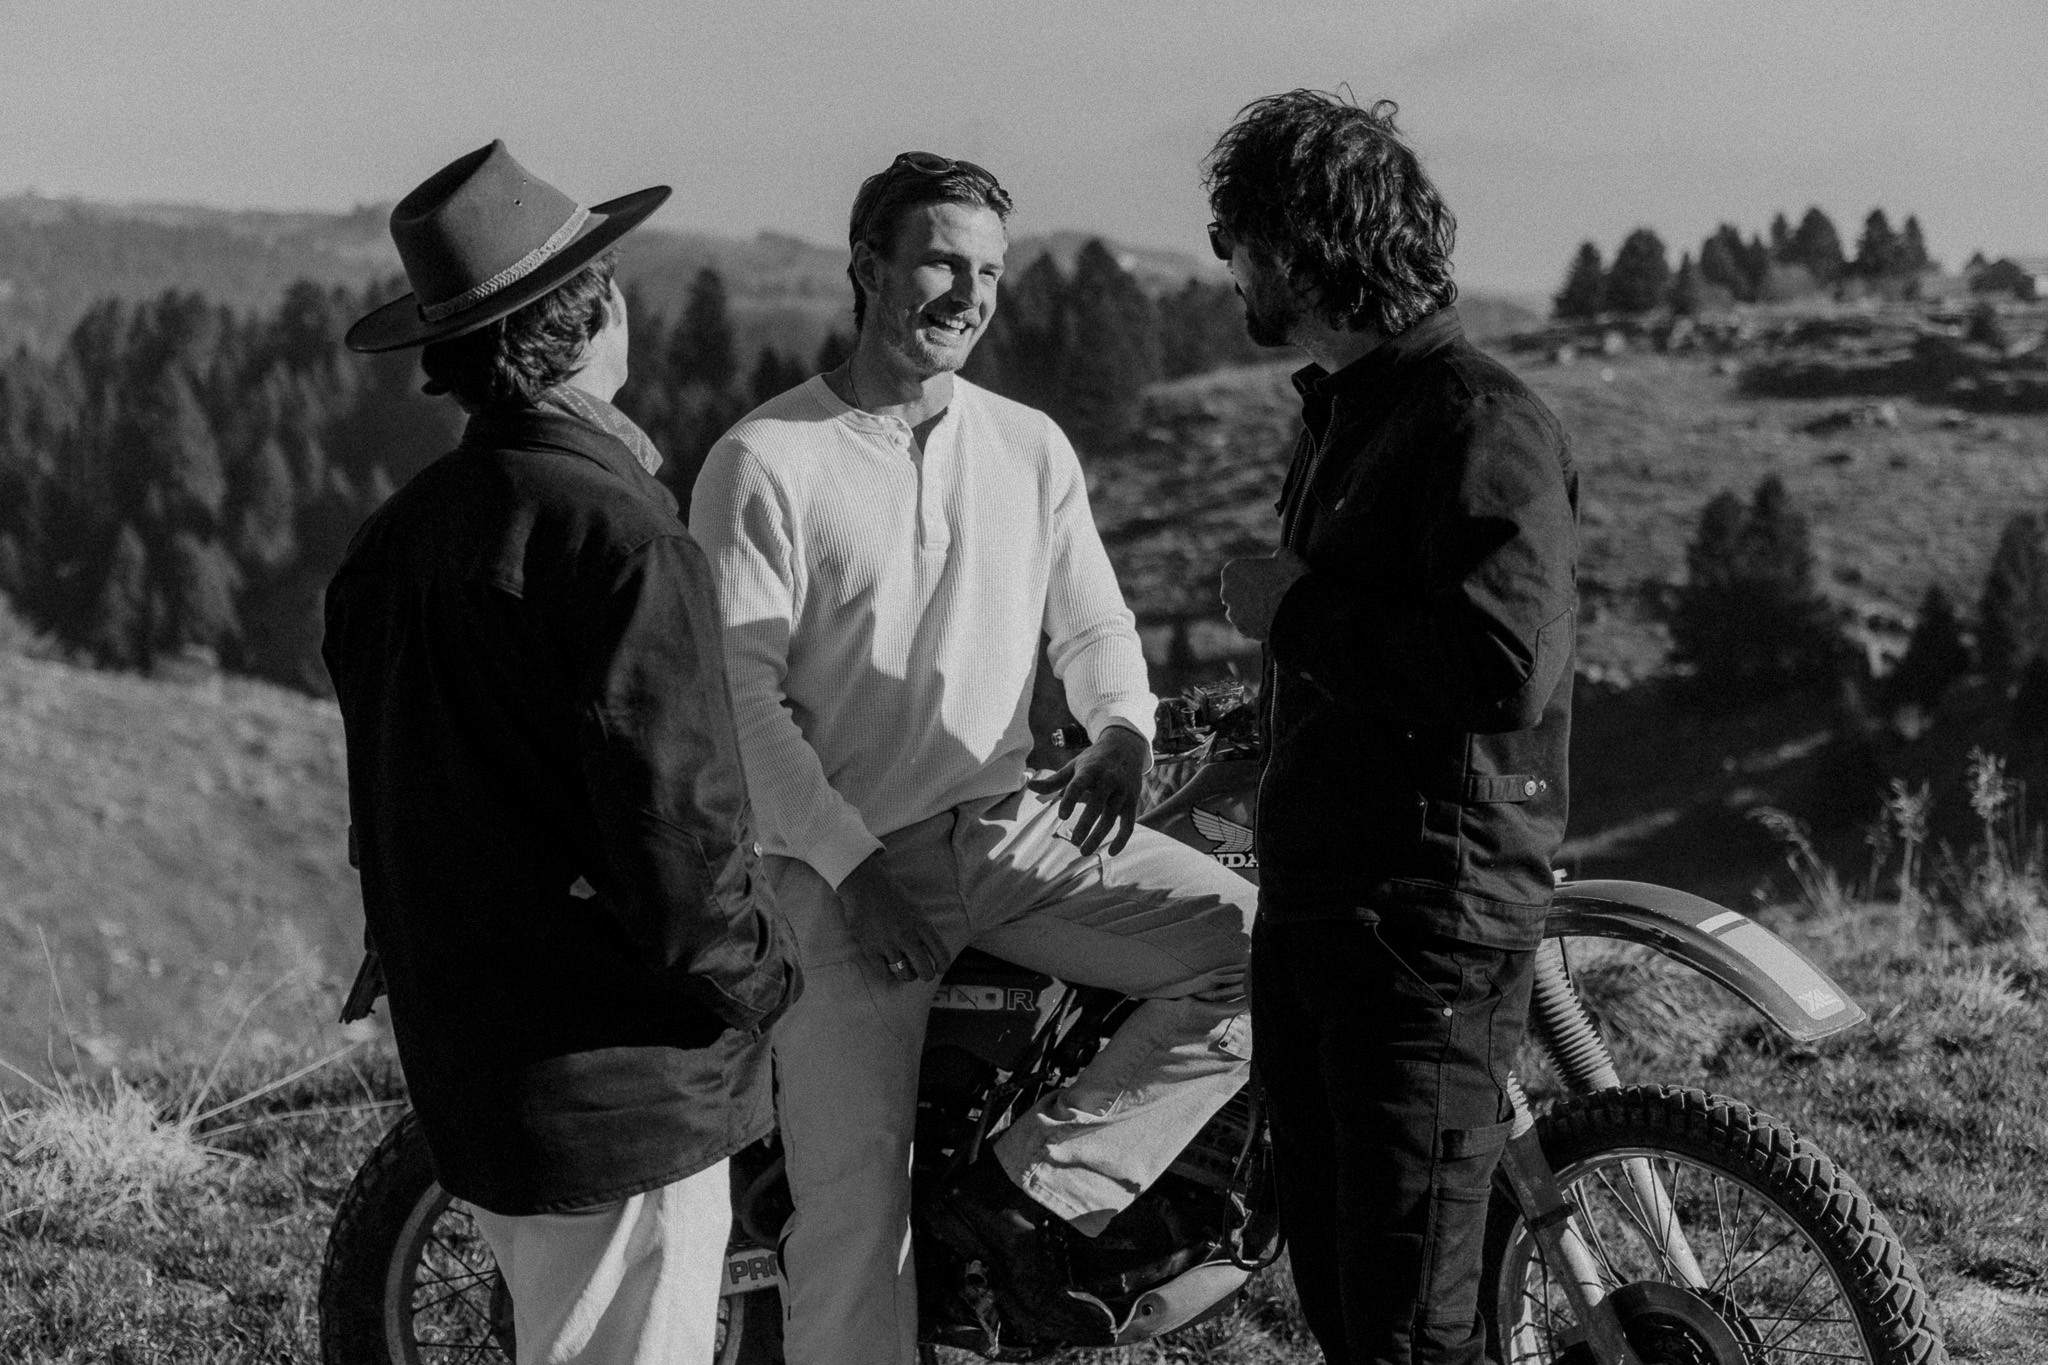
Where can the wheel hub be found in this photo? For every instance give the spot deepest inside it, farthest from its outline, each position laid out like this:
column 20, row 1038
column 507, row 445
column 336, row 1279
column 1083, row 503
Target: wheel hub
column 1666, row 1324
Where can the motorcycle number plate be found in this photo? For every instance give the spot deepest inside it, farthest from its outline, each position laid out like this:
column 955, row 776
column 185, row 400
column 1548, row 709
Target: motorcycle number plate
column 751, row 1269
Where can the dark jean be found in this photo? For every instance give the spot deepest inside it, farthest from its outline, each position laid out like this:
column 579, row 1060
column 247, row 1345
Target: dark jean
column 1384, row 1052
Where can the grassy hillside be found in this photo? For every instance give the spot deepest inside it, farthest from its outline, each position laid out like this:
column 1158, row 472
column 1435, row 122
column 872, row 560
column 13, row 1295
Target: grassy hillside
column 1900, row 494
column 167, row 851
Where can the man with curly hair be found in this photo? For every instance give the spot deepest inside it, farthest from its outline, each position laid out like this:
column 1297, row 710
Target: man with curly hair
column 1418, row 619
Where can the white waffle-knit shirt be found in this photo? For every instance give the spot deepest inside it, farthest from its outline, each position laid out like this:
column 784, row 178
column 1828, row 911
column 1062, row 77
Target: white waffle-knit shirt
column 883, row 610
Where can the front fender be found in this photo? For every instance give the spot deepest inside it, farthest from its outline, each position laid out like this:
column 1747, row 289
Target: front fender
column 1719, row 943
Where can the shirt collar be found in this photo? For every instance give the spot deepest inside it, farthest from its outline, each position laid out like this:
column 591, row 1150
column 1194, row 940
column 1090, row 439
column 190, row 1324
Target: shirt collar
column 1437, row 330
column 575, row 402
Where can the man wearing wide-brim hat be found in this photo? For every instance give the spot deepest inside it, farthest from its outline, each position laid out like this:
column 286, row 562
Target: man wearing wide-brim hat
column 558, row 867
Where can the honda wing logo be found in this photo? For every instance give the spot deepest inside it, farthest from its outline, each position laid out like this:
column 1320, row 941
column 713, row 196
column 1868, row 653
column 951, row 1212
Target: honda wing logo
column 1233, row 841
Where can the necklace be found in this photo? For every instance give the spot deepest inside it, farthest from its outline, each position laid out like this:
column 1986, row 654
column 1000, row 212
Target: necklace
column 854, row 385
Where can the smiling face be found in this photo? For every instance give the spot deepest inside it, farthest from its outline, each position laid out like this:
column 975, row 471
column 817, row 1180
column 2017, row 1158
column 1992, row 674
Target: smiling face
column 931, row 298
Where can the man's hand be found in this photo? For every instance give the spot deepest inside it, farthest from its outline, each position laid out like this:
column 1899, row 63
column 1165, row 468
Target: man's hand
column 1252, row 589
column 1104, row 781
column 886, row 925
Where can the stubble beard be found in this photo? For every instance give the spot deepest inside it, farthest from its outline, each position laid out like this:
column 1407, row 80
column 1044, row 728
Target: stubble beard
column 1268, row 322
column 904, row 337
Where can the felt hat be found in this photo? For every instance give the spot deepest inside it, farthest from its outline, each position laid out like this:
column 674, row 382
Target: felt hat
column 484, row 237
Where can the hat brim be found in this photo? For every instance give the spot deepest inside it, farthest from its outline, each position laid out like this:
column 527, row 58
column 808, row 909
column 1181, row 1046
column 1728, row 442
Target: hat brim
column 398, row 324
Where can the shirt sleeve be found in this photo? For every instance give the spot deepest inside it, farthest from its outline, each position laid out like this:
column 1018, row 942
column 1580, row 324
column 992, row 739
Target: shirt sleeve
column 663, row 773
column 1093, row 638
column 741, row 521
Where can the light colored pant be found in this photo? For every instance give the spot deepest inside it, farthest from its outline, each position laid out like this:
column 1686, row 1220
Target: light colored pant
column 630, row 1283
column 1158, row 921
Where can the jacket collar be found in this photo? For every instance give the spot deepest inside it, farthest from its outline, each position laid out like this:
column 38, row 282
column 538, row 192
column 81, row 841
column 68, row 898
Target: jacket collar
column 1356, row 380
column 534, row 428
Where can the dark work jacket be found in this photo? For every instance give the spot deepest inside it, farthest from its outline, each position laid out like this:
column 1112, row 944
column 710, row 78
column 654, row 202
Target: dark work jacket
column 557, row 861
column 1419, row 677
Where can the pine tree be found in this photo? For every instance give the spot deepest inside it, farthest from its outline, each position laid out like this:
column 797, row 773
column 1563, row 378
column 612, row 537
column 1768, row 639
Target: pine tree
column 701, row 349
column 118, row 633
column 1685, row 288
column 1781, row 240
column 1935, row 655
column 13, row 570
column 1201, row 327
column 1641, row 276
column 1877, row 251
column 774, row 373
column 833, row 351
column 264, row 510
column 2012, row 613
column 1025, row 352
column 201, row 595
column 1585, row 286
column 169, row 463
column 1724, row 262
column 1749, row 618
column 1817, row 246
column 1913, row 247
column 1116, row 352
column 1756, row 263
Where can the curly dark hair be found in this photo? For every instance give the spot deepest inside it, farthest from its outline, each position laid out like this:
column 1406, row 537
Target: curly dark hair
column 513, row 361
column 1333, row 194
column 913, row 179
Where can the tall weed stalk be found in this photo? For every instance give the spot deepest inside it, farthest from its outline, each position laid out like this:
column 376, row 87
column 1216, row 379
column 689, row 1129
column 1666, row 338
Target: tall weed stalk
column 1995, row 889
column 1820, row 887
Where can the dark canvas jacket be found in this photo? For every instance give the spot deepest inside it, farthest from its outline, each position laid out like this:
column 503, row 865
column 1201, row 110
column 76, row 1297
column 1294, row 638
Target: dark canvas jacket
column 557, row 863
column 1418, row 680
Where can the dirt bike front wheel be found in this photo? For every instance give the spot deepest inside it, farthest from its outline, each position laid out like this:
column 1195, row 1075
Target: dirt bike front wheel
column 1790, row 1263
column 409, row 1280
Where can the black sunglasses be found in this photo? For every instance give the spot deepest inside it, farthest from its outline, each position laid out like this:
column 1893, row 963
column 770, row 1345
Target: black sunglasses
column 931, row 163
column 1221, row 242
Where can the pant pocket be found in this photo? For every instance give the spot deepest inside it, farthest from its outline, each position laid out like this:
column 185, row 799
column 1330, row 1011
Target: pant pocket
column 1461, row 1185
column 1407, row 976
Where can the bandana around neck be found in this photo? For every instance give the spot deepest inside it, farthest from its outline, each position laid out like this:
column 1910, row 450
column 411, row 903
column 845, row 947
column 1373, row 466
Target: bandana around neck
column 575, row 402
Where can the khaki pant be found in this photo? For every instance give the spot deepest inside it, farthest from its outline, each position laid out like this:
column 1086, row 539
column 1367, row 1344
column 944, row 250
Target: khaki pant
column 1158, row 921
column 630, row 1283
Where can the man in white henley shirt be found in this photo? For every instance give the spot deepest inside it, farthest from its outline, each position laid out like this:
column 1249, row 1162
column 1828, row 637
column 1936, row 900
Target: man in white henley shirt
column 891, row 544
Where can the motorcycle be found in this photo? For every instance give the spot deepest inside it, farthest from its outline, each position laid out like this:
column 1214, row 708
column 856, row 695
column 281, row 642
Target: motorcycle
column 1629, row 1225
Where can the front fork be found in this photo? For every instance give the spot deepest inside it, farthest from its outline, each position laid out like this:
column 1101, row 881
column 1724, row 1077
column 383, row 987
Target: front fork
column 1568, row 1035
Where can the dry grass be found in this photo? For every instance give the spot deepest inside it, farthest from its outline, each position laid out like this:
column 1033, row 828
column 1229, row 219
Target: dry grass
column 178, row 1216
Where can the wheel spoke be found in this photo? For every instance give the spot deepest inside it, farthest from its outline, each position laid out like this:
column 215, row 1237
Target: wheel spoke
column 1639, row 1216
column 1767, row 1253
column 460, row 1291
column 1794, row 1303
column 1599, row 1239
column 1721, row 1224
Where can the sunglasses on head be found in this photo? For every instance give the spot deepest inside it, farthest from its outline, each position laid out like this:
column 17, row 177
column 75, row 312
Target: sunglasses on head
column 1221, row 242
column 931, row 163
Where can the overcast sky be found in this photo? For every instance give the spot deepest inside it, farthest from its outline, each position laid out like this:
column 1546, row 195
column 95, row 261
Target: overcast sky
column 1544, row 122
